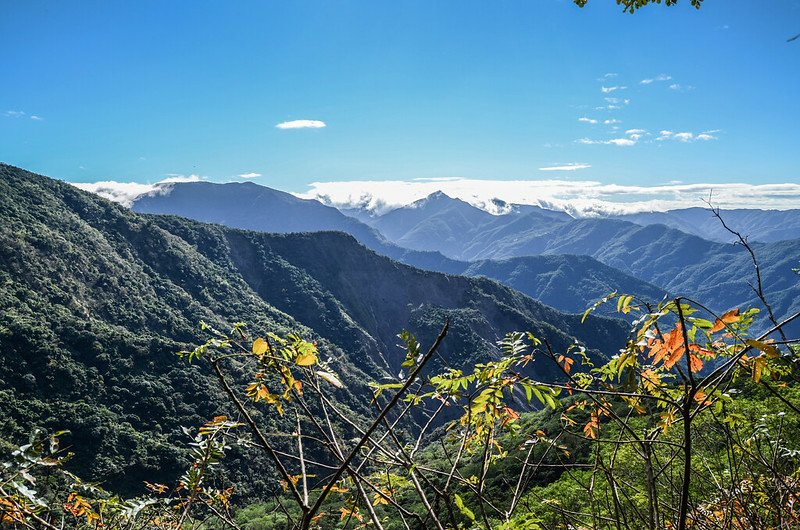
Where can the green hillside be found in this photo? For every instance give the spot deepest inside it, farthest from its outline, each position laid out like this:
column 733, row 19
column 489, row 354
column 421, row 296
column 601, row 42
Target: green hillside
column 97, row 299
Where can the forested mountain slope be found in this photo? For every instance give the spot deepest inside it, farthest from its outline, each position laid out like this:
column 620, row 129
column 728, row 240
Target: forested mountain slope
column 675, row 261
column 97, row 299
column 567, row 283
column 717, row 274
column 759, row 225
column 253, row 207
column 570, row 282
column 649, row 260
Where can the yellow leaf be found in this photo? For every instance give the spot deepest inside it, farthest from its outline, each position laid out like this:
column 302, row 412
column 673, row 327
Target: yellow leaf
column 306, row 359
column 770, row 350
column 260, row 346
column 758, row 367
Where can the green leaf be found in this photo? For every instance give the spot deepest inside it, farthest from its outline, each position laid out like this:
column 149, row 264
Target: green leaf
column 466, row 512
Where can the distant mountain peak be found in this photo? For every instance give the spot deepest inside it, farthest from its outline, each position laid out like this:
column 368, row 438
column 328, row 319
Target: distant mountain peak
column 435, row 196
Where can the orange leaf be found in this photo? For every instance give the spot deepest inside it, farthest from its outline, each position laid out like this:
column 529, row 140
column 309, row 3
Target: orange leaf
column 567, row 363
column 590, row 429
column 728, row 318
column 674, row 356
column 695, row 364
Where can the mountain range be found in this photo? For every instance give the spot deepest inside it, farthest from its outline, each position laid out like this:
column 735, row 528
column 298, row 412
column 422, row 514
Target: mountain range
column 96, row 299
column 563, row 261
column 766, row 226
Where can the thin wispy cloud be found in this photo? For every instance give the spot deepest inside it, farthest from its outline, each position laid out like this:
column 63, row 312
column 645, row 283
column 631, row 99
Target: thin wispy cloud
column 614, row 103
column 611, row 121
column 572, row 166
column 21, row 114
column 587, row 120
column 249, row 175
column 126, row 192
column 609, row 89
column 301, row 124
column 579, row 198
column 688, row 136
column 633, row 137
column 680, row 88
column 661, row 77
column 606, row 77
column 635, row 134
column 620, row 142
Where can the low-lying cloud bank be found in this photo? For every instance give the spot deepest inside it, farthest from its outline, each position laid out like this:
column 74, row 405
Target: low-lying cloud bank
column 126, row 192
column 579, row 198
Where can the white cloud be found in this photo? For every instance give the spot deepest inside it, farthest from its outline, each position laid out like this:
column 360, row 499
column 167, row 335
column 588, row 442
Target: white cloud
column 612, row 121
column 587, row 120
column 174, row 178
column 126, row 192
column 614, row 103
column 301, row 124
column 606, row 77
column 572, row 166
column 580, row 198
column 21, row 114
column 661, row 77
column 687, row 136
column 609, row 89
column 249, row 175
column 436, row 179
column 621, row 142
column 633, row 136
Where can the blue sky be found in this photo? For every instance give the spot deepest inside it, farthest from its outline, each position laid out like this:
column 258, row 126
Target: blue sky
column 139, row 91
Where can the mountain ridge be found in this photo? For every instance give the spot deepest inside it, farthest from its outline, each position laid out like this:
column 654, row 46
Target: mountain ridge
column 653, row 258
column 97, row 299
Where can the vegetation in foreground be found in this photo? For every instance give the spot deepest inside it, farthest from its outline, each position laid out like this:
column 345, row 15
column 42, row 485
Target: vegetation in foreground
column 692, row 425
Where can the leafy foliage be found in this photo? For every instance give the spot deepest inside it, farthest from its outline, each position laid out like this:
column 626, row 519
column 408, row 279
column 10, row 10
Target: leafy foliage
column 630, row 6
